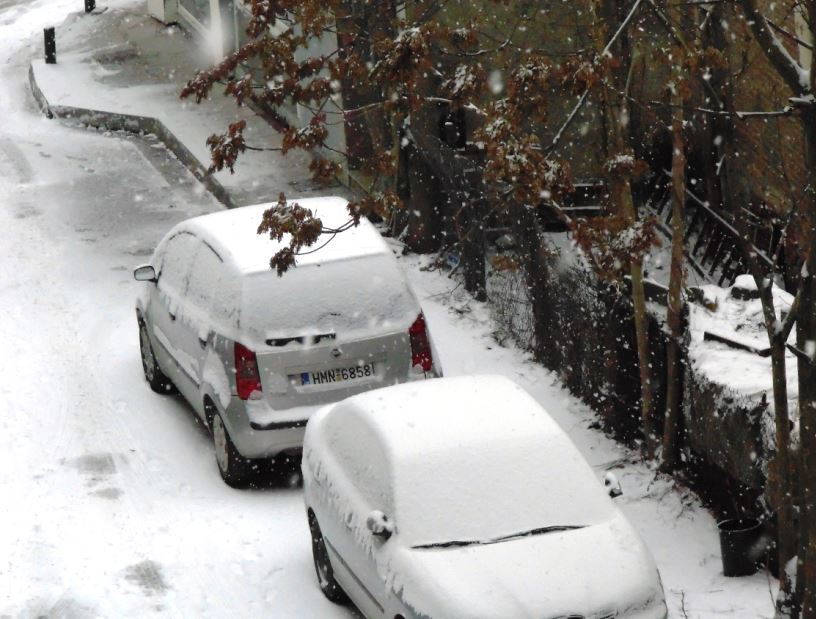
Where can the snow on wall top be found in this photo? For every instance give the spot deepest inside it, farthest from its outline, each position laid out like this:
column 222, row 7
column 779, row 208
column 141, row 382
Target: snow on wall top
column 234, row 235
column 479, row 446
column 743, row 372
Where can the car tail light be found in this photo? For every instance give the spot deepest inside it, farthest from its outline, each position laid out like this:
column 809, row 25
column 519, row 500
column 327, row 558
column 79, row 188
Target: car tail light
column 247, row 378
column 420, row 346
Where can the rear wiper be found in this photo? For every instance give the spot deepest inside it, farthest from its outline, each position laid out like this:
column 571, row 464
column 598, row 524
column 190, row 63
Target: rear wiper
column 301, row 339
column 504, row 538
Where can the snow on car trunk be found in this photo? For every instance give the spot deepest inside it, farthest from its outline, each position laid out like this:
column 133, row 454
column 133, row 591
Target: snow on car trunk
column 339, row 300
column 329, row 326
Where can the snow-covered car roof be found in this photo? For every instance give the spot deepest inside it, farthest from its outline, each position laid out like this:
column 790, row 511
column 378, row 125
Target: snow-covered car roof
column 234, row 235
column 476, row 410
column 471, row 458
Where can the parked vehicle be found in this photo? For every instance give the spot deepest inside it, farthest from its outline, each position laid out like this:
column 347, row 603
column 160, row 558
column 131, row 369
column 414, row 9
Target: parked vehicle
column 461, row 497
column 255, row 354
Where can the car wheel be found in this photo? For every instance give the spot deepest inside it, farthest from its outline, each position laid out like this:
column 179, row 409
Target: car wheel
column 231, row 464
column 157, row 380
column 323, row 567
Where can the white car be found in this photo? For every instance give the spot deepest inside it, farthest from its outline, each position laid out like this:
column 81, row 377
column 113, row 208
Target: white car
column 462, row 498
column 254, row 353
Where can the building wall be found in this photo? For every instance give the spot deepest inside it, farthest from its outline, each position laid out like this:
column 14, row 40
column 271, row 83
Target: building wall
column 298, row 115
column 211, row 20
column 765, row 162
column 768, row 165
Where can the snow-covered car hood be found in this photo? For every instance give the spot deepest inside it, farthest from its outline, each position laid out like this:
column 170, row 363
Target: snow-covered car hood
column 595, row 572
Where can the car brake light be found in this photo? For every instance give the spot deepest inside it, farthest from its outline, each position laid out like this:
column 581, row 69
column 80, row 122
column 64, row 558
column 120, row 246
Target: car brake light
column 247, row 378
column 420, row 346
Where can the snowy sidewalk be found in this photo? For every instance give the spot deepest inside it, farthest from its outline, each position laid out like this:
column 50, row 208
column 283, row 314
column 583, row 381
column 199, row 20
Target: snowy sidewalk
column 121, row 69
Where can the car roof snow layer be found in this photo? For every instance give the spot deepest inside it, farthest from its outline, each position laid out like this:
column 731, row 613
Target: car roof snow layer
column 233, row 234
column 467, row 410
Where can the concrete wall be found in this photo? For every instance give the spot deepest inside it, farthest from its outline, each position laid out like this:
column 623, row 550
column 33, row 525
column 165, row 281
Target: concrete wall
column 593, row 350
column 299, row 116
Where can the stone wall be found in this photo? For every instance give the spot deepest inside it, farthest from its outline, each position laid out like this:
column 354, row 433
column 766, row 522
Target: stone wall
column 592, row 347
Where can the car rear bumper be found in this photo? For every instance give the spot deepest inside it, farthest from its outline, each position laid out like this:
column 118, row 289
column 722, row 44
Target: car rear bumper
column 257, row 431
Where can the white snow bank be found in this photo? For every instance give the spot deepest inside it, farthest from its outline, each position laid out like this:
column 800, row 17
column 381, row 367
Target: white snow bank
column 742, row 372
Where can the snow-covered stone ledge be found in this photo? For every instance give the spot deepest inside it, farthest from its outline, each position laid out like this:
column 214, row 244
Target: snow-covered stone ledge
column 116, row 121
column 588, row 339
column 121, row 69
column 729, row 392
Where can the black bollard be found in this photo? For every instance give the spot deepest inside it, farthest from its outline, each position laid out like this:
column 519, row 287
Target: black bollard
column 50, row 45
column 90, row 5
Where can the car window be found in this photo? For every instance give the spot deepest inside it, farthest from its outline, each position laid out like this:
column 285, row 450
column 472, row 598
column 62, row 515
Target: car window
column 354, row 298
column 205, row 276
column 363, row 461
column 176, row 261
column 211, row 288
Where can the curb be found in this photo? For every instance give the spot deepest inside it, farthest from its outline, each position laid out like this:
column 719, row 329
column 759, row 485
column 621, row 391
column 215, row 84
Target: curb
column 132, row 124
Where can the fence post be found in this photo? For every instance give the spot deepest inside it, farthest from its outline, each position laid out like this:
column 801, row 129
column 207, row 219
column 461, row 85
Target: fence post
column 473, row 245
column 90, row 5
column 49, row 35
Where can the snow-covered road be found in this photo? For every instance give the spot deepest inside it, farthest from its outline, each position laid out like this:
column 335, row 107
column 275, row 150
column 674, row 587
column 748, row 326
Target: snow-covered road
column 111, row 504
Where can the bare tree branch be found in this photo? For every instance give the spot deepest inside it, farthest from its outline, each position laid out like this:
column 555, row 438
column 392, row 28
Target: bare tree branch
column 777, row 54
column 582, row 100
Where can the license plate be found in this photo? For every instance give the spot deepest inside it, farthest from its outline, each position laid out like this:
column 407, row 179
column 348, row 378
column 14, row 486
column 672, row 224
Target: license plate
column 338, row 375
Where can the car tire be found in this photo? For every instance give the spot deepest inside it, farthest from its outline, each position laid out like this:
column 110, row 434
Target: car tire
column 231, row 464
column 323, row 567
column 157, row 379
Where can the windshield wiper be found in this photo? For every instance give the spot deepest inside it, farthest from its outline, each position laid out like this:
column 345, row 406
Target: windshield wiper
column 496, row 540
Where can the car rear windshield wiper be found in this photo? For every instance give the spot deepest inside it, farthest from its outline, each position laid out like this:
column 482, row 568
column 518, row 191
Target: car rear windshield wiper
column 301, row 339
column 504, row 538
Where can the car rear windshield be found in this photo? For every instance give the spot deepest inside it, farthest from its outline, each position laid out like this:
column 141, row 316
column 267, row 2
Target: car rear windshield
column 349, row 298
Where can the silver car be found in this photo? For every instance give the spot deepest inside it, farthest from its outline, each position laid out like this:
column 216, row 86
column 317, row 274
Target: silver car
column 462, row 497
column 255, row 354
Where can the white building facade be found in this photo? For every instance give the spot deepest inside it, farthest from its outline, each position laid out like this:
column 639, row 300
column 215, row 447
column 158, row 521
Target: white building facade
column 221, row 25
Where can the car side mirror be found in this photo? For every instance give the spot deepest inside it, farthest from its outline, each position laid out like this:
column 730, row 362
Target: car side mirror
column 145, row 273
column 379, row 525
column 612, row 485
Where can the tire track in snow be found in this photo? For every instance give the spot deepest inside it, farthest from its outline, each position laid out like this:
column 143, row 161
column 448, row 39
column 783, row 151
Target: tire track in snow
column 16, row 160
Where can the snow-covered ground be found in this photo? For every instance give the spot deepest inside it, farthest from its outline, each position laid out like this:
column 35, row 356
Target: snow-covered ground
column 111, row 502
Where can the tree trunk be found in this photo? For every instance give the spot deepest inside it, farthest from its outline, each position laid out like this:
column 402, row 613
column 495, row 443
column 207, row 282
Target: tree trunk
column 423, row 234
column 644, row 357
column 622, row 198
column 786, row 538
column 616, row 123
column 806, row 332
column 806, row 340
column 526, row 228
column 473, row 245
column 621, row 194
column 781, row 483
column 674, row 311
